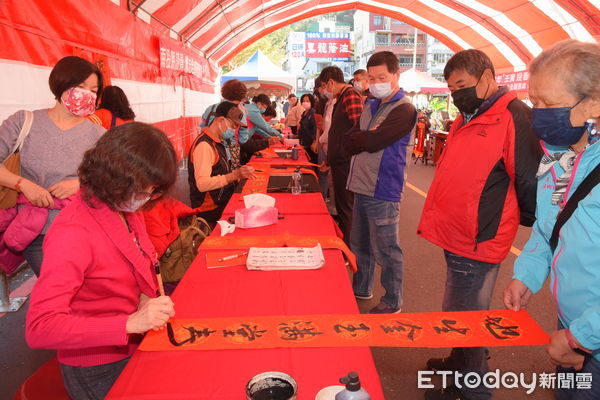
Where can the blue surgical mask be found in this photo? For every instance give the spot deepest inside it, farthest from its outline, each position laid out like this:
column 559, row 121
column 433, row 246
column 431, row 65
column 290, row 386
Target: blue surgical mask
column 553, row 126
column 228, row 134
column 262, row 110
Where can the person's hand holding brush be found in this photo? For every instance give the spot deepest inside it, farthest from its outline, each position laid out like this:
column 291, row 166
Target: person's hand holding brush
column 152, row 313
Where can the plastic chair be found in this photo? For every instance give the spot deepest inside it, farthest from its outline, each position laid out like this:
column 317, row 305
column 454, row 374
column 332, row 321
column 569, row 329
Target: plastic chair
column 45, row 383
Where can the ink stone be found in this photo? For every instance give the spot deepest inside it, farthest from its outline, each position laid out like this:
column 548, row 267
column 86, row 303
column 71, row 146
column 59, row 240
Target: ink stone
column 272, row 389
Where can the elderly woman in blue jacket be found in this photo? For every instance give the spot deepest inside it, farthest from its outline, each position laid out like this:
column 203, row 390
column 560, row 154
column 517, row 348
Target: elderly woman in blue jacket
column 255, row 121
column 564, row 88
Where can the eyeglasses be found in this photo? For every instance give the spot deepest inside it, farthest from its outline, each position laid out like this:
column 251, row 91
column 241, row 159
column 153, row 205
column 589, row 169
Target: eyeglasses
column 155, row 194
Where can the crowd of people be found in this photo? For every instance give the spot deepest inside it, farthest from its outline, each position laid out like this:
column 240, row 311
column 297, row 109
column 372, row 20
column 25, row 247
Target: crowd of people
column 87, row 169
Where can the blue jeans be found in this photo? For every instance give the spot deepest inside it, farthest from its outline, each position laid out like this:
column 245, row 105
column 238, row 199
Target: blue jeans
column 469, row 287
column 590, row 366
column 374, row 239
column 34, row 255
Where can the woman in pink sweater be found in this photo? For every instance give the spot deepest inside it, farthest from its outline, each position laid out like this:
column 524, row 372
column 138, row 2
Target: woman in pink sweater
column 97, row 291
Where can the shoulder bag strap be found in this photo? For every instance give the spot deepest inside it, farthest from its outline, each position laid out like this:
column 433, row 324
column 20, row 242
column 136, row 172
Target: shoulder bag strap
column 24, row 130
column 583, row 190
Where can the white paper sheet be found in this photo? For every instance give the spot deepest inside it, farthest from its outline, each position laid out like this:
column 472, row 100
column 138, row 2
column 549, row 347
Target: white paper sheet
column 285, row 258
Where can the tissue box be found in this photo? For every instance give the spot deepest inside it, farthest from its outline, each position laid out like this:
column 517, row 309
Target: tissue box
column 255, row 217
column 258, row 200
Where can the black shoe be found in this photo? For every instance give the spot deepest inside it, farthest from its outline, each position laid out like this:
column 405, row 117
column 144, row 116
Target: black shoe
column 441, row 364
column 450, row 393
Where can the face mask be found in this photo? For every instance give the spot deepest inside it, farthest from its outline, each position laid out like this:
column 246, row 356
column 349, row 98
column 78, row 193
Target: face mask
column 133, row 204
column 328, row 94
column 228, row 134
column 466, row 99
column 306, row 106
column 79, row 101
column 358, row 86
column 262, row 110
column 381, row 90
column 553, row 126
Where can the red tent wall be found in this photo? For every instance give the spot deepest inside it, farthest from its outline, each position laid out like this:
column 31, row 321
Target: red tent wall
column 37, row 33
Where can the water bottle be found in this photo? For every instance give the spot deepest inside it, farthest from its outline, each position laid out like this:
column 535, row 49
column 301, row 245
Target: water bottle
column 295, row 152
column 353, row 390
column 297, row 181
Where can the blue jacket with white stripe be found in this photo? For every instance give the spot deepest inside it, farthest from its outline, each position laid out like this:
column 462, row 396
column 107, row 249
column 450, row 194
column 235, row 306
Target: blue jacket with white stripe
column 380, row 148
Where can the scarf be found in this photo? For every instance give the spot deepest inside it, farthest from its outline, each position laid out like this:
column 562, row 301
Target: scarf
column 566, row 160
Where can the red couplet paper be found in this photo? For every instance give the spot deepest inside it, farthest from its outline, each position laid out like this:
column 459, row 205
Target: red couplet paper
column 258, row 184
column 441, row 329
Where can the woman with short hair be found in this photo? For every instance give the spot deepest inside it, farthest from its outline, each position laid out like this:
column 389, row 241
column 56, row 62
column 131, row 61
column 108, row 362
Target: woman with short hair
column 54, row 146
column 254, row 119
column 564, row 87
column 97, row 291
column 114, row 108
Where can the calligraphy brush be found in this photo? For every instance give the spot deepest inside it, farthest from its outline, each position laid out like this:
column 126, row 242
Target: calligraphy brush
column 161, row 291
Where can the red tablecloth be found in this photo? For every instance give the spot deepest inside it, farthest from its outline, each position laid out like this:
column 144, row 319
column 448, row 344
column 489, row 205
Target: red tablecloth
column 235, row 291
column 286, row 203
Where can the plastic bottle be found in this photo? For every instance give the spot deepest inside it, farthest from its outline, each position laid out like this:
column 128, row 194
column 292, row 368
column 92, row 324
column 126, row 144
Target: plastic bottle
column 353, row 390
column 295, row 152
column 297, row 181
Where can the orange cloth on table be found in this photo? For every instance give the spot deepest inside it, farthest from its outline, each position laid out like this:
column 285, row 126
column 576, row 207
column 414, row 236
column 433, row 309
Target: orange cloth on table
column 285, row 240
column 103, row 117
column 290, row 170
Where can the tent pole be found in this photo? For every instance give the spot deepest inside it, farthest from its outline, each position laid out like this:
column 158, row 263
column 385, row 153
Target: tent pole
column 415, row 51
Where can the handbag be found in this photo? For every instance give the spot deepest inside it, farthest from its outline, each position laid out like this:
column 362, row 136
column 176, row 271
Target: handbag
column 8, row 196
column 182, row 251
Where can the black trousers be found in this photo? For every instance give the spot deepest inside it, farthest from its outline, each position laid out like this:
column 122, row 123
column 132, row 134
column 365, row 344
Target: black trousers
column 344, row 199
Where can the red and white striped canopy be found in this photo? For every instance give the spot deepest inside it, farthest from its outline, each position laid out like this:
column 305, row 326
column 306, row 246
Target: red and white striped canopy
column 511, row 32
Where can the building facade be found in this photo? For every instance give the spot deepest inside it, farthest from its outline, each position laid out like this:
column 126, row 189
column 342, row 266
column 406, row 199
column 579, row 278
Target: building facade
column 305, row 66
column 374, row 33
column 437, row 57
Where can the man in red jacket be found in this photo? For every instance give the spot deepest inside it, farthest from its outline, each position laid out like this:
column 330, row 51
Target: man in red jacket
column 484, row 186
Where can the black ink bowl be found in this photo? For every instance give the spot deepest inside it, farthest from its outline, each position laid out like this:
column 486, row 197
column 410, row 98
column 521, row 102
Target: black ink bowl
column 271, row 386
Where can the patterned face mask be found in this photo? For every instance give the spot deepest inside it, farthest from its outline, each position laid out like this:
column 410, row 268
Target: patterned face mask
column 78, row 101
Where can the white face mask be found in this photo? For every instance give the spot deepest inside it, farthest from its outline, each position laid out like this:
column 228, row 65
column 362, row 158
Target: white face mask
column 381, row 90
column 358, row 86
column 133, row 204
